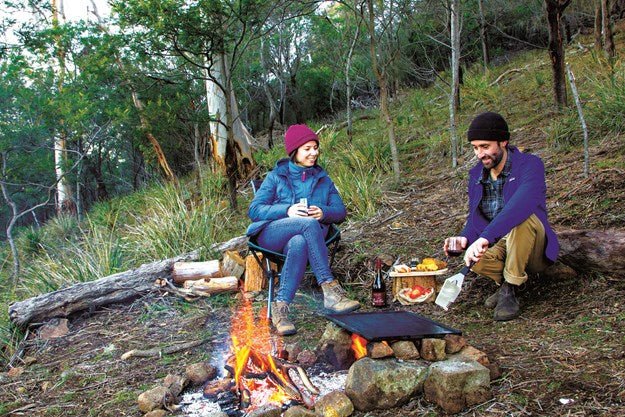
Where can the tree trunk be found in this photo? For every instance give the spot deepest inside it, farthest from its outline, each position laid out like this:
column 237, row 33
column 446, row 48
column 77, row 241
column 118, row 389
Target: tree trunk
column 483, row 36
column 454, row 99
column 273, row 109
column 87, row 295
column 348, row 85
column 555, row 8
column 608, row 38
column 598, row 21
column 382, row 81
column 158, row 150
column 64, row 202
column 12, row 220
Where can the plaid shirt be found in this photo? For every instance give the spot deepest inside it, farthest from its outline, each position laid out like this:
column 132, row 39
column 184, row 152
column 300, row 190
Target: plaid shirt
column 492, row 199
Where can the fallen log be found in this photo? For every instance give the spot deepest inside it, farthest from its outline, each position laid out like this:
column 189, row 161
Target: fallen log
column 115, row 288
column 593, row 250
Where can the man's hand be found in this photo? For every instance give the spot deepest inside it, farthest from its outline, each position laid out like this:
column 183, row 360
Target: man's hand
column 457, row 243
column 315, row 212
column 475, row 251
column 297, row 210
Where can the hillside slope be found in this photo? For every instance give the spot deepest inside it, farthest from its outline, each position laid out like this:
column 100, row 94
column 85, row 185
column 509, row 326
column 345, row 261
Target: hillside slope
column 567, row 344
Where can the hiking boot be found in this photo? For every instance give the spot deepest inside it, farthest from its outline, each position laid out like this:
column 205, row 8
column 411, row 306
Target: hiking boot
column 280, row 318
column 335, row 298
column 491, row 302
column 507, row 303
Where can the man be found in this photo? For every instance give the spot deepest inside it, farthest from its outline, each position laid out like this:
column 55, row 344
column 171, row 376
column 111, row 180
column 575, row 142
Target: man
column 507, row 232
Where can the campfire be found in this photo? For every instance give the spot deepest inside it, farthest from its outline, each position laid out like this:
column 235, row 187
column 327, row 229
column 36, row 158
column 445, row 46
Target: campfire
column 257, row 372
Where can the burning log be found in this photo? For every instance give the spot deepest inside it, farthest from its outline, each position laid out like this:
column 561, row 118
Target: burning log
column 213, row 389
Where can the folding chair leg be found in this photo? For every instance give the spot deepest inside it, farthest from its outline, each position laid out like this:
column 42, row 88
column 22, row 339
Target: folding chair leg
column 270, row 285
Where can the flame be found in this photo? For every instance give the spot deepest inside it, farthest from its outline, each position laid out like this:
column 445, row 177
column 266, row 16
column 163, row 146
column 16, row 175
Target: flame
column 253, row 346
column 359, row 345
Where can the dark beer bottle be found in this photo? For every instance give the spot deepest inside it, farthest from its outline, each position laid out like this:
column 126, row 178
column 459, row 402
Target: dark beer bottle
column 378, row 289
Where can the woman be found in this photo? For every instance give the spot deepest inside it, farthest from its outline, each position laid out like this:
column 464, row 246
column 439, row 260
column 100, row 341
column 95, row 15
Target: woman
column 282, row 223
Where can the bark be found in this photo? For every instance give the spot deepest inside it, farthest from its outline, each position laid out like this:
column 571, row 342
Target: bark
column 484, row 36
column 228, row 134
column 454, row 99
column 580, row 112
column 381, row 76
column 348, row 85
column 12, row 221
column 87, row 295
column 273, row 109
column 593, row 250
column 608, row 38
column 598, row 20
column 64, row 202
column 555, row 8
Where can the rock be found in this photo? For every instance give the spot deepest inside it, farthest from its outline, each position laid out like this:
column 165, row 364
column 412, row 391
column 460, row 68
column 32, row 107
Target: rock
column 53, row 328
column 199, row 373
column 454, row 343
column 156, row 413
column 299, row 411
column 495, row 370
column 265, row 411
column 175, row 384
column 154, row 399
column 15, row 372
column 405, row 350
column 29, row 360
column 335, row 346
column 383, row 383
column 559, row 272
column 306, row 358
column 293, row 349
column 454, row 384
column 377, row 350
column 334, row 404
column 471, row 354
column 433, row 350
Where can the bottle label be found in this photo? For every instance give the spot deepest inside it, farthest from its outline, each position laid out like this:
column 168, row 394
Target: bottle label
column 378, row 299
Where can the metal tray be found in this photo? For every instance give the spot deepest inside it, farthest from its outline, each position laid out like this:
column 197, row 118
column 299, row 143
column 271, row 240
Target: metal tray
column 376, row 326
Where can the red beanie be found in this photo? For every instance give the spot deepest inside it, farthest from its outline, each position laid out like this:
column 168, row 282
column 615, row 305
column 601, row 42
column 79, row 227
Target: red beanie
column 296, row 136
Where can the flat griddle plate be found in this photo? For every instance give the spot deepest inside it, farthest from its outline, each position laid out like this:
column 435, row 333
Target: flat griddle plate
column 376, row 326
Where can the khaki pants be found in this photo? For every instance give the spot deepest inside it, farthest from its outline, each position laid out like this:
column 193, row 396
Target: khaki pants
column 517, row 253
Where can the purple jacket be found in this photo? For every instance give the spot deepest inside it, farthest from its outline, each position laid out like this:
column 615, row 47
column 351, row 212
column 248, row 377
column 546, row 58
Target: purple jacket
column 524, row 194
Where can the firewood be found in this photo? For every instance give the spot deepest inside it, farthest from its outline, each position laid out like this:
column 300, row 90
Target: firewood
column 213, row 285
column 160, row 351
column 255, row 279
column 186, row 271
column 232, row 264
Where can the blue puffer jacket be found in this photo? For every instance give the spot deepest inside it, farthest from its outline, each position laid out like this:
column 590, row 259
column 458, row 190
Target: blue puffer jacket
column 277, row 194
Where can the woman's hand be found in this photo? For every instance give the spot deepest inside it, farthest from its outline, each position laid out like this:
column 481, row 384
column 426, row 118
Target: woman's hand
column 297, row 210
column 315, row 212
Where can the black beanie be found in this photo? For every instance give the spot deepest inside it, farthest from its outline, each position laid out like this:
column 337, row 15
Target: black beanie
column 488, row 126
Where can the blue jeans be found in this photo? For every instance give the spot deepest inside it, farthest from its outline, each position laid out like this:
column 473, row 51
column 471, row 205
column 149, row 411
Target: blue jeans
column 302, row 240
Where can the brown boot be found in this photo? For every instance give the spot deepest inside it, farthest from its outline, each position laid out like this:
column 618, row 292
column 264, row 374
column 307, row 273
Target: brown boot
column 335, row 299
column 491, row 302
column 280, row 318
column 507, row 303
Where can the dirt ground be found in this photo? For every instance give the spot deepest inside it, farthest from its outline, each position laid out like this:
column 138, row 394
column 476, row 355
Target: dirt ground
column 565, row 355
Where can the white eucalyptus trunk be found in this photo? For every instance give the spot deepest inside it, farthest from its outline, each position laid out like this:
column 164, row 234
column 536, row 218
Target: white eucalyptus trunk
column 217, row 78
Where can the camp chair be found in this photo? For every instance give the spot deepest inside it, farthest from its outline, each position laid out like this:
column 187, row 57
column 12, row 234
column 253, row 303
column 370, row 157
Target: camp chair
column 269, row 256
